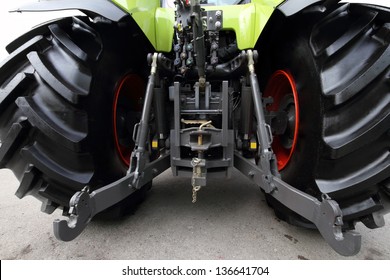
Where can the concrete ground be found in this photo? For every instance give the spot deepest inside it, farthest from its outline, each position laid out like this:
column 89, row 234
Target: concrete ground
column 231, row 220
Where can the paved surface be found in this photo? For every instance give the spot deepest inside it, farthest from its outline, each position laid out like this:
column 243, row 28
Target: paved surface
column 230, row 221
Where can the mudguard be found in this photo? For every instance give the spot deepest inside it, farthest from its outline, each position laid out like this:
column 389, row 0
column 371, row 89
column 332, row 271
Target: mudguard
column 103, row 8
column 116, row 13
column 291, row 7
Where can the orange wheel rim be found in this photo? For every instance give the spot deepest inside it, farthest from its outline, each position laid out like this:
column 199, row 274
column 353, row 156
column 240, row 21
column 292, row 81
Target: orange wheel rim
column 282, row 88
column 127, row 101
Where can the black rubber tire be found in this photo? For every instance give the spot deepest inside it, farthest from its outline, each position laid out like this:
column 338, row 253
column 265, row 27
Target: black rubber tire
column 56, row 119
column 341, row 65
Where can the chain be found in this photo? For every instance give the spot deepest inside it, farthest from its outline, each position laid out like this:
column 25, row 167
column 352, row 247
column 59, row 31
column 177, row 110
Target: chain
column 195, row 190
column 195, row 162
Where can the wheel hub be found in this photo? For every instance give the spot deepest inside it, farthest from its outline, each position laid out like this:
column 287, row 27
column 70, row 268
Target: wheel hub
column 281, row 87
column 127, row 107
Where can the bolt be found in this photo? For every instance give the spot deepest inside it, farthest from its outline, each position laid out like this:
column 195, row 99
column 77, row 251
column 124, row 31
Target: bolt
column 338, row 221
column 176, row 48
column 190, row 61
column 177, row 62
column 273, row 191
column 190, row 47
column 273, row 188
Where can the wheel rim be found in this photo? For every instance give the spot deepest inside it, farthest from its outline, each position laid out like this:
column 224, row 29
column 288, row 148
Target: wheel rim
column 282, row 88
column 127, row 107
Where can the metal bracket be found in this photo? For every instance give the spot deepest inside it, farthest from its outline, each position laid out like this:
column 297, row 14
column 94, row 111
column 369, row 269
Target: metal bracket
column 80, row 215
column 84, row 205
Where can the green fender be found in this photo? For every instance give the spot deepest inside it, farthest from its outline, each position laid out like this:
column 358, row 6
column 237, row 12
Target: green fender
column 156, row 22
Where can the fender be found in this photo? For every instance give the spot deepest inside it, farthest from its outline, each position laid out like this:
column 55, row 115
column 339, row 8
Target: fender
column 114, row 10
column 103, row 8
column 291, row 7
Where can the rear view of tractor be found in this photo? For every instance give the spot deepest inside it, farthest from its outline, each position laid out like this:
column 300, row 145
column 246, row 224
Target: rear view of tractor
column 294, row 94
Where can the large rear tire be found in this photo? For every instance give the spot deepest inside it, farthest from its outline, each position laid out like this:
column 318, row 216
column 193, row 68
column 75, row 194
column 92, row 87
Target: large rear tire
column 58, row 101
column 339, row 66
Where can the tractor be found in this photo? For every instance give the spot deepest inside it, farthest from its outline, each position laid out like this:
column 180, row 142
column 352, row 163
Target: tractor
column 295, row 94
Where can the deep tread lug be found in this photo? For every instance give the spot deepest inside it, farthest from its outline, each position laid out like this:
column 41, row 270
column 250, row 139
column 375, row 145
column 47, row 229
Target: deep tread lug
column 361, row 81
column 76, row 179
column 359, row 181
column 338, row 148
column 15, row 136
column 79, row 25
column 48, row 206
column 19, row 56
column 360, row 27
column 316, row 39
column 60, row 87
column 67, row 137
column 42, row 29
column 361, row 208
column 355, row 130
column 13, row 88
column 55, row 195
column 63, row 38
column 30, row 178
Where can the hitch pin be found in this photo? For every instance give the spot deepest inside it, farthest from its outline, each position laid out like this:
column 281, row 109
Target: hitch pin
column 200, row 136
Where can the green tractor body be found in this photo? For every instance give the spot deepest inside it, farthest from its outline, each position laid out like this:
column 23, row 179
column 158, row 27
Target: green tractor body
column 294, row 94
column 247, row 21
